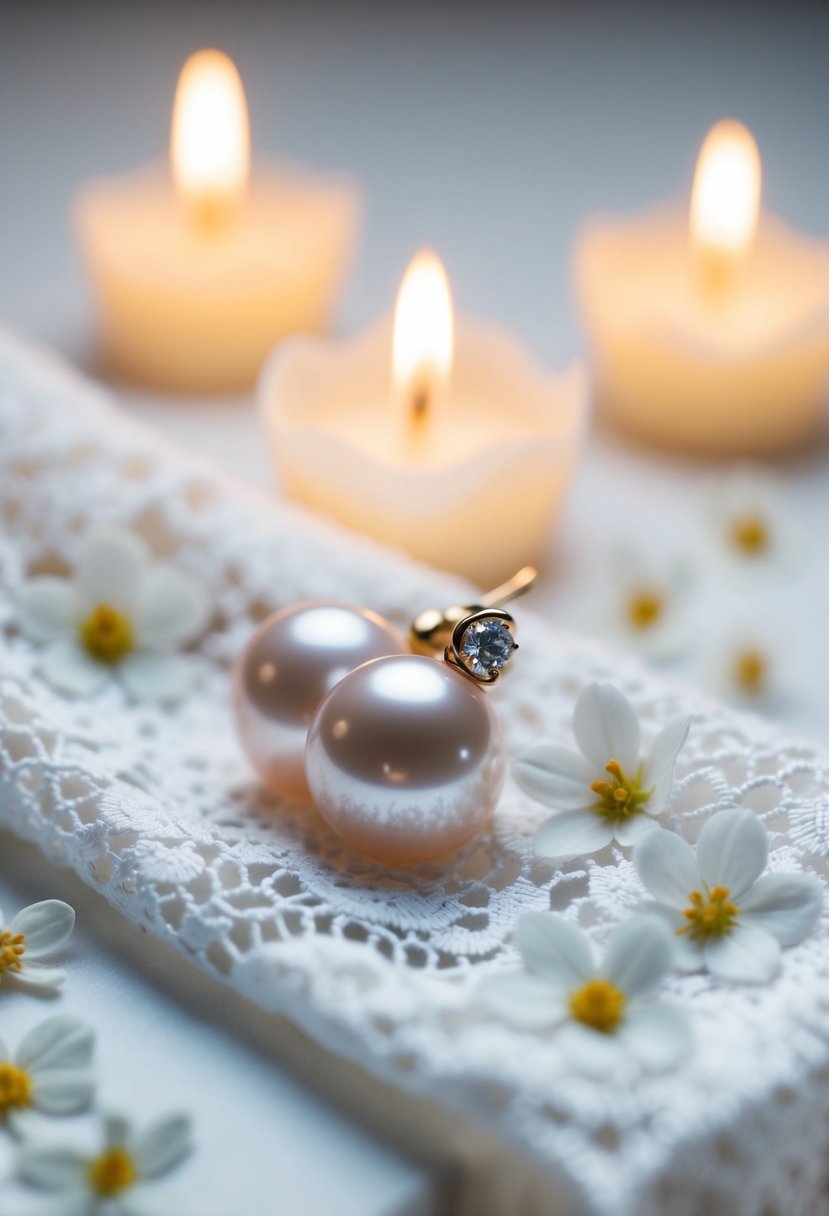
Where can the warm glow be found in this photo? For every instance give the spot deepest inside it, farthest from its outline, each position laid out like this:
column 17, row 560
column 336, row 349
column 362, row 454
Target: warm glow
column 210, row 141
column 423, row 337
column 725, row 202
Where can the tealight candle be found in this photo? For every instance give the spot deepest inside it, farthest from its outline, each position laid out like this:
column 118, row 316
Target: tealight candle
column 711, row 334
column 442, row 438
column 199, row 272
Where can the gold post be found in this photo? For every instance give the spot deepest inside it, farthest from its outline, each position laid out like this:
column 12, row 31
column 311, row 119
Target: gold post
column 432, row 629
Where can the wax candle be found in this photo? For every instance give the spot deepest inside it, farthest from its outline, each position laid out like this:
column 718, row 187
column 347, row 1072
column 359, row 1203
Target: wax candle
column 443, row 438
column 708, row 331
column 198, row 271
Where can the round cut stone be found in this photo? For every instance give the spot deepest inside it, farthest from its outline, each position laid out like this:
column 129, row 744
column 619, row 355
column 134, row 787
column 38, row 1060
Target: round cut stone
column 486, row 646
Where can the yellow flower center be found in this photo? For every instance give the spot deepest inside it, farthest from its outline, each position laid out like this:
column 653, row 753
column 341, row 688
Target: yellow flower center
column 711, row 914
column 750, row 534
column 107, row 634
column 750, row 671
column 645, row 608
column 15, row 1088
column 112, row 1172
column 599, row 1004
column 621, row 796
column 11, row 951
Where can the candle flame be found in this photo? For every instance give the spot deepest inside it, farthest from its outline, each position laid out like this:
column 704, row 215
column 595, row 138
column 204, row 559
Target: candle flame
column 210, row 140
column 725, row 201
column 423, row 339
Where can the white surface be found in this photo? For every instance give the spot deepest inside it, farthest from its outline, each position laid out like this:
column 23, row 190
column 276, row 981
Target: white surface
column 488, row 132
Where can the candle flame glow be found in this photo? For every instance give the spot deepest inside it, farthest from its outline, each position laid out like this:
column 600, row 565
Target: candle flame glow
column 210, row 140
column 423, row 338
column 725, row 201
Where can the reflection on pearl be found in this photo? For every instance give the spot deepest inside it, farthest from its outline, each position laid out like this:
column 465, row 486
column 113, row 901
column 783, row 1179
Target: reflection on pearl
column 291, row 662
column 405, row 759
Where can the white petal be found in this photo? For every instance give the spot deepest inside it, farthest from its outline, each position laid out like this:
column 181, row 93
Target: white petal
column 48, row 608
column 71, row 670
column 174, row 609
column 606, row 727
column 526, row 1001
column 62, row 1091
column 667, row 866
column 784, row 905
column 553, row 948
column 688, row 954
column 163, row 1146
column 657, row 1036
column 744, row 956
column 58, row 1042
column 46, row 925
column 5, row 1057
column 556, row 776
column 53, row 1169
column 116, row 1131
column 37, row 975
column 572, row 834
column 143, row 1201
column 157, row 677
column 589, row 1050
column 630, row 832
column 639, row 955
column 111, row 569
column 659, row 770
column 732, row 850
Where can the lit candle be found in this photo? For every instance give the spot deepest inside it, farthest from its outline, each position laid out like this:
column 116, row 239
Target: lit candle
column 709, row 331
column 444, row 438
column 200, row 270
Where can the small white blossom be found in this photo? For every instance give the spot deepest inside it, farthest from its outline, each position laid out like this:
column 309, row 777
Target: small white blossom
column 752, row 527
column 50, row 1072
column 600, row 1013
column 119, row 1177
column 34, row 933
column 608, row 792
column 751, row 667
column 120, row 613
column 726, row 918
column 650, row 604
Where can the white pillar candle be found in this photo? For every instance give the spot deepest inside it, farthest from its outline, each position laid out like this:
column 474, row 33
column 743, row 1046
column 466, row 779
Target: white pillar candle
column 444, row 439
column 198, row 272
column 708, row 332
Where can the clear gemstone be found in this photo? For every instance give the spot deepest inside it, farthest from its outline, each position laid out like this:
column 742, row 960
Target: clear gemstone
column 486, row 646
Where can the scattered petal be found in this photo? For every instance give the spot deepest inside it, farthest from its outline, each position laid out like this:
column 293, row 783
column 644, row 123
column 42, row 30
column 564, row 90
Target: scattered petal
column 46, row 926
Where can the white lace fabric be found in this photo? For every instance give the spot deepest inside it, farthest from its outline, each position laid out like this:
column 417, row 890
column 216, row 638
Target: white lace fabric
column 157, row 809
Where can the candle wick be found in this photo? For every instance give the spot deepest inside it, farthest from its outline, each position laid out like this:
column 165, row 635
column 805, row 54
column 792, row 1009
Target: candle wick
column 420, row 404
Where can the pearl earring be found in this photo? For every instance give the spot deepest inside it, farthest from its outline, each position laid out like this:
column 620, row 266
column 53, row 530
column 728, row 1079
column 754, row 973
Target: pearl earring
column 293, row 659
column 405, row 759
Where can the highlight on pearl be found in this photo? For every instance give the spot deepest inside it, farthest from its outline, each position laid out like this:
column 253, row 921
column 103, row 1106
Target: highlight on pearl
column 292, row 661
column 405, row 759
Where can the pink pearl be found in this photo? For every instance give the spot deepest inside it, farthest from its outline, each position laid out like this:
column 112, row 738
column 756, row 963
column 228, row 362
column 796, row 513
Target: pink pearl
column 285, row 670
column 405, row 759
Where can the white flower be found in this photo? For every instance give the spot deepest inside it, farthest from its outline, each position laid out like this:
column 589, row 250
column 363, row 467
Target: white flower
column 608, row 792
column 752, row 526
column 118, row 1178
column 35, row 932
column 726, row 918
column 49, row 1073
column 750, row 667
column 599, row 1011
column 119, row 613
column 650, row 604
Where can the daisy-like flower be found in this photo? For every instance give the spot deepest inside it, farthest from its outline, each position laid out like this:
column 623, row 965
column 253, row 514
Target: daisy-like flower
column 119, row 1177
column 649, row 604
column 608, row 792
column 119, row 613
column 750, row 519
column 600, row 1012
column 50, row 1072
column 751, row 667
column 726, row 918
column 34, row 933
